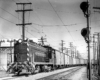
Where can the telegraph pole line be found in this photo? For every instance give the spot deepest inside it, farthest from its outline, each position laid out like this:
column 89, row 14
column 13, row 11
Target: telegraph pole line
column 23, row 17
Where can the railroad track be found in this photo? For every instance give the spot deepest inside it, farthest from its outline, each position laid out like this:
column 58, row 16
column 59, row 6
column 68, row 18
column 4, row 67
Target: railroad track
column 53, row 75
column 62, row 75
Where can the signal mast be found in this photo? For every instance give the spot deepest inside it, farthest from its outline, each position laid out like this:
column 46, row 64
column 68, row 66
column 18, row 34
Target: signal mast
column 85, row 32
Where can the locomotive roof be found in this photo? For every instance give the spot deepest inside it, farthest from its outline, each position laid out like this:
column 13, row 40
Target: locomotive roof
column 36, row 45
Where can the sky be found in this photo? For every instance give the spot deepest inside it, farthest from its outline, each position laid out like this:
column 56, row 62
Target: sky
column 55, row 20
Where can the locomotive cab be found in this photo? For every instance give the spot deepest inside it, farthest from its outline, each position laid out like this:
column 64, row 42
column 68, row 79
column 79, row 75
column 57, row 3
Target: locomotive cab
column 51, row 56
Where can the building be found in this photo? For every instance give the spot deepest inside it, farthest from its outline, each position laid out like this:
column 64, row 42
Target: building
column 6, row 57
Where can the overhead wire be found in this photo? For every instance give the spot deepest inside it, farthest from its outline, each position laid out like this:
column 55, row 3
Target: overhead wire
column 7, row 20
column 44, row 25
column 30, row 33
column 59, row 18
column 35, row 24
column 13, row 22
column 40, row 25
column 56, row 25
column 12, row 15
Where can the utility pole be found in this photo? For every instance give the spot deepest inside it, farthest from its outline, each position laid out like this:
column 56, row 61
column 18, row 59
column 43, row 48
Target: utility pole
column 42, row 40
column 62, row 49
column 23, row 18
column 75, row 51
column 67, row 51
column 62, row 46
column 71, row 46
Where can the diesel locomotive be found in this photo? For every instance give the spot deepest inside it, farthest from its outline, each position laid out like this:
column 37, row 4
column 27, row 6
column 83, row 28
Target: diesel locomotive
column 32, row 57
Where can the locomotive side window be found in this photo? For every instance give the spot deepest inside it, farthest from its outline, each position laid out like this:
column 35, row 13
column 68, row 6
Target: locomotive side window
column 40, row 54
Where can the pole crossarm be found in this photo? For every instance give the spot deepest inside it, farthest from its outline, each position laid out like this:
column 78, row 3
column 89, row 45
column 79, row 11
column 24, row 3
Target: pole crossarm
column 24, row 24
column 42, row 40
column 24, row 10
column 23, row 3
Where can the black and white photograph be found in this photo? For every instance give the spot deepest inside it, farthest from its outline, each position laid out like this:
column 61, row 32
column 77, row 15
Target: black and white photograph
column 49, row 40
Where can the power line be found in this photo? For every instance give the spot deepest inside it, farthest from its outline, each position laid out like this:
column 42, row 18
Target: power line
column 45, row 25
column 60, row 18
column 8, row 12
column 39, row 24
column 7, row 20
column 30, row 33
column 35, row 24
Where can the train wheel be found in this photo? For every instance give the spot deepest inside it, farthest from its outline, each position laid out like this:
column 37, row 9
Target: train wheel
column 37, row 69
column 18, row 73
column 45, row 68
column 32, row 70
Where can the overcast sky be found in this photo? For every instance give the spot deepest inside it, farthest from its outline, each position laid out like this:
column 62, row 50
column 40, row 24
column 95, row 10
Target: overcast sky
column 55, row 20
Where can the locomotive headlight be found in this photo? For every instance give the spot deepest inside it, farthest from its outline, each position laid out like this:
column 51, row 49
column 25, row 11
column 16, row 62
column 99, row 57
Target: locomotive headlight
column 20, row 40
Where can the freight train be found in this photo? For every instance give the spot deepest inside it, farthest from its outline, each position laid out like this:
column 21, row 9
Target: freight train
column 32, row 57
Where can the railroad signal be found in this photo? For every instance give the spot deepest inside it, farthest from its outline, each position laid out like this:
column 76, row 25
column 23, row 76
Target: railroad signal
column 84, row 7
column 85, row 33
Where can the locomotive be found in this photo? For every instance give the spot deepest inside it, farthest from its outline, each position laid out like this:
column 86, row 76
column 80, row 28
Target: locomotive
column 32, row 57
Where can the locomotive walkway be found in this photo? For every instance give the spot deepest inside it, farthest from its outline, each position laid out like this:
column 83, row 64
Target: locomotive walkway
column 81, row 74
